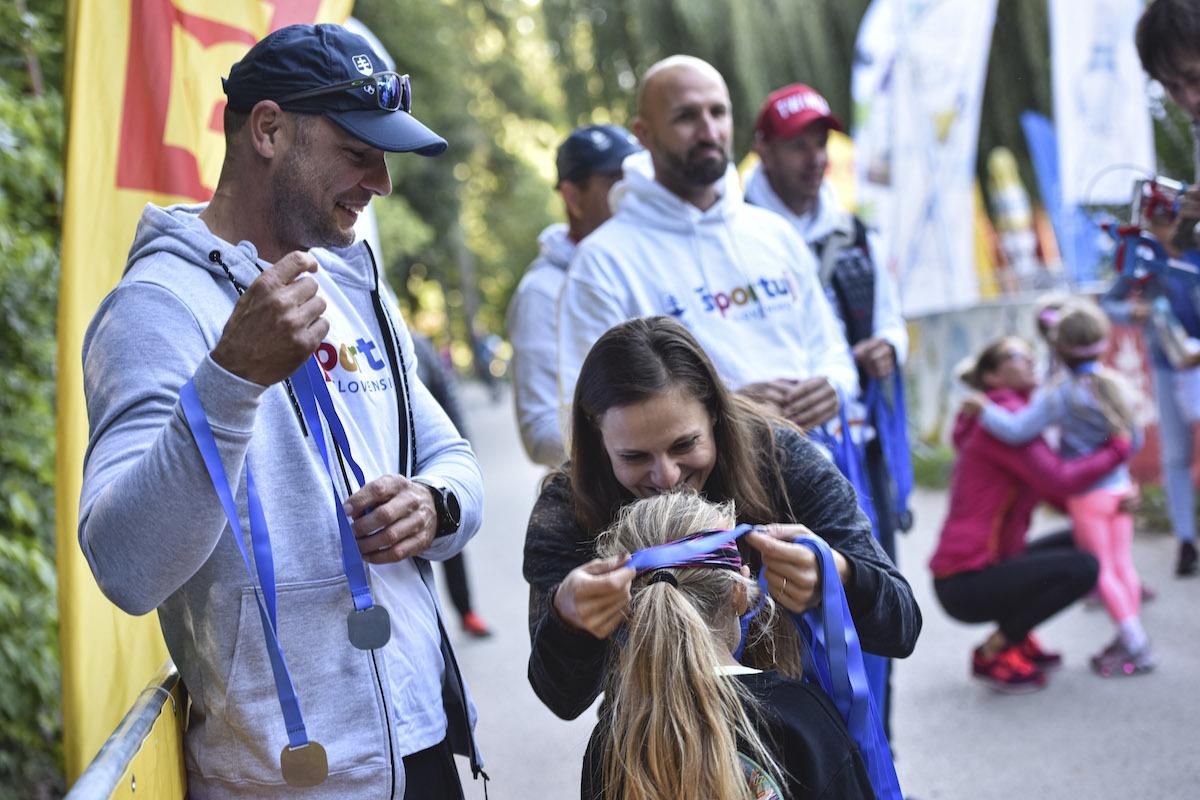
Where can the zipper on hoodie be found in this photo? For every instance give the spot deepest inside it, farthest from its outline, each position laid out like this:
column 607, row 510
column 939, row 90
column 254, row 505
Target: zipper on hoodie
column 391, row 342
column 403, row 401
column 387, row 719
column 215, row 257
column 385, row 697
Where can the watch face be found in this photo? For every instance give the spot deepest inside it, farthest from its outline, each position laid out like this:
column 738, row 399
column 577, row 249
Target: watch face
column 453, row 510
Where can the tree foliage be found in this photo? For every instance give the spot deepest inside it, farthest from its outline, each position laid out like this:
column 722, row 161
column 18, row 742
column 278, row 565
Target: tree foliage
column 31, row 130
column 505, row 80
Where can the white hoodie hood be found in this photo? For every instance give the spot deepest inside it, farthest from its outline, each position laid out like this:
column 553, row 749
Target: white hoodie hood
column 826, row 217
column 737, row 276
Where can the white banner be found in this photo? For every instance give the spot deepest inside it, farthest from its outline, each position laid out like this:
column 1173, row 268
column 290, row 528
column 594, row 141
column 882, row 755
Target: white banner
column 1105, row 139
column 918, row 87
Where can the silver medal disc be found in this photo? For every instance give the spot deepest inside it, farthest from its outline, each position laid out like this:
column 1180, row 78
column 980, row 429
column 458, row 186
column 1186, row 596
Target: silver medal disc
column 370, row 628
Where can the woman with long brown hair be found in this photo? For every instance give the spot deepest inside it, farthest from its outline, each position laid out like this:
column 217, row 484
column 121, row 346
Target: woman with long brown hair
column 650, row 415
column 684, row 718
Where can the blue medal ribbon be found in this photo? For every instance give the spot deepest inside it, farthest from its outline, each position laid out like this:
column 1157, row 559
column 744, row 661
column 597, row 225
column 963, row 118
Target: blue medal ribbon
column 891, row 424
column 837, row 666
column 848, row 458
column 264, row 564
column 311, row 392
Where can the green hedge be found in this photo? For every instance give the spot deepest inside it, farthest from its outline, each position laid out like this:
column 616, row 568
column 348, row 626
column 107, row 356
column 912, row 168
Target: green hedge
column 31, row 139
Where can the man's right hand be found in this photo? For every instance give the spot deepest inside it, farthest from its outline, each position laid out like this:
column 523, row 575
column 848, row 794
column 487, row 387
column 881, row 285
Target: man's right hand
column 812, row 402
column 772, row 394
column 276, row 323
column 594, row 597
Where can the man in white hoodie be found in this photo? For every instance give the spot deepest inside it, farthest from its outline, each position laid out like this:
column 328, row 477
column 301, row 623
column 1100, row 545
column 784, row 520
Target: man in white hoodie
column 790, row 138
column 588, row 164
column 682, row 242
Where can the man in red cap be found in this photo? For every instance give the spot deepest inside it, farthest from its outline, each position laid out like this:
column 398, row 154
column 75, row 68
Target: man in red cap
column 791, row 137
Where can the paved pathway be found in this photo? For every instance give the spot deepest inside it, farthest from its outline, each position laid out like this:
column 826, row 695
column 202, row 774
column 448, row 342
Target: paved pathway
column 1082, row 737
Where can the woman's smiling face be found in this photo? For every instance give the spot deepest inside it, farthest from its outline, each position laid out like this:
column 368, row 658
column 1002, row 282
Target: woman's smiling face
column 660, row 443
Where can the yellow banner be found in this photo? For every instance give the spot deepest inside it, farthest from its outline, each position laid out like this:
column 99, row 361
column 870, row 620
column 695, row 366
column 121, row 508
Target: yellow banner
column 144, row 126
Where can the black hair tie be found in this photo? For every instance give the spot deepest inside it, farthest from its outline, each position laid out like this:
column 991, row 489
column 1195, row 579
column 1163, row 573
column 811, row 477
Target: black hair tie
column 661, row 575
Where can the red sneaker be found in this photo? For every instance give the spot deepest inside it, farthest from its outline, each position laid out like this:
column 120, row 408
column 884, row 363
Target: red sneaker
column 1044, row 660
column 474, row 625
column 1009, row 671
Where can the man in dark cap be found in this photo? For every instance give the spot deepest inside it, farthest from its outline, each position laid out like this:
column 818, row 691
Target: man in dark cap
column 252, row 389
column 589, row 163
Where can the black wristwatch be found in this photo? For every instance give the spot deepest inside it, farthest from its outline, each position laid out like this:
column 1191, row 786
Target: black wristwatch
column 445, row 503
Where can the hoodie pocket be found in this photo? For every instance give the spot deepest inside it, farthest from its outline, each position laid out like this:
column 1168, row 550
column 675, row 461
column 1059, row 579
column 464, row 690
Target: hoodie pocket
column 336, row 687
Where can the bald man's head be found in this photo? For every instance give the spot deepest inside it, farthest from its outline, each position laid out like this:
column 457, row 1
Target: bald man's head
column 685, row 121
column 658, row 73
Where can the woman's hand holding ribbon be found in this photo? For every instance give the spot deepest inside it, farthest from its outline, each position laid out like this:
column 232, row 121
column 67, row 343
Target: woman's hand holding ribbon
column 595, row 596
column 392, row 518
column 792, row 571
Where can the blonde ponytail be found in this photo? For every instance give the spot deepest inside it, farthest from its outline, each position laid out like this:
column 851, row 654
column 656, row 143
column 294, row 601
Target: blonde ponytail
column 676, row 724
column 1112, row 397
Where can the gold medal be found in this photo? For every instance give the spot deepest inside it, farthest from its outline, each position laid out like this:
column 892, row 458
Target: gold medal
column 304, row 766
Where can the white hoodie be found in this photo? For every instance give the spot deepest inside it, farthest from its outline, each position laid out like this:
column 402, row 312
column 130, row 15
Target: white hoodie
column 737, row 276
column 824, row 219
column 532, row 322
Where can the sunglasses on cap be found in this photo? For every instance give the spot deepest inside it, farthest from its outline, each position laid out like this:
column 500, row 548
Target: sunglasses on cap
column 393, row 92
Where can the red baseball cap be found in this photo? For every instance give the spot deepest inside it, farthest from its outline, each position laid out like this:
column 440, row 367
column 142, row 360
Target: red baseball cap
column 788, row 111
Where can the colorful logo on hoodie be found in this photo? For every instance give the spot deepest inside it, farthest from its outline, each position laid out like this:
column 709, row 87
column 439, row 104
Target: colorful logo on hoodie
column 355, row 368
column 752, row 301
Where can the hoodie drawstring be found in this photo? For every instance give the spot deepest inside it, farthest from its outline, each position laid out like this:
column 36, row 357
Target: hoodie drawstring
column 215, row 257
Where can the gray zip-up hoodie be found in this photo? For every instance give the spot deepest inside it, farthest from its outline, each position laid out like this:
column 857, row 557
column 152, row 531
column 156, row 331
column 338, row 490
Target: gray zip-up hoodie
column 154, row 534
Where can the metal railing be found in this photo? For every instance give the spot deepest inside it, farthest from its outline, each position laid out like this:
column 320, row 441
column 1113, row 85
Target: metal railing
column 103, row 777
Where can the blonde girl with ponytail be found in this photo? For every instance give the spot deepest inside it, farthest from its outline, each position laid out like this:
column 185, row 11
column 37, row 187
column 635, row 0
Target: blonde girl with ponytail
column 683, row 718
column 1090, row 404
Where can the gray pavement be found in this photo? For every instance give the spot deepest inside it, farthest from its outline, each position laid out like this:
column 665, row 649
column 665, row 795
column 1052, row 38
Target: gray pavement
column 1082, row 737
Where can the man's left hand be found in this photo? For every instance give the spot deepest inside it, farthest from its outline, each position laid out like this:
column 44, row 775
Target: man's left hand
column 393, row 519
column 875, row 356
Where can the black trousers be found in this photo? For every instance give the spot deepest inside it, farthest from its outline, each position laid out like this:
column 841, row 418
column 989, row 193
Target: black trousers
column 456, row 583
column 1023, row 592
column 431, row 775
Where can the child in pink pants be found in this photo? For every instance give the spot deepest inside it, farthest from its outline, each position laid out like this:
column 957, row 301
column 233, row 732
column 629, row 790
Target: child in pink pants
column 1088, row 404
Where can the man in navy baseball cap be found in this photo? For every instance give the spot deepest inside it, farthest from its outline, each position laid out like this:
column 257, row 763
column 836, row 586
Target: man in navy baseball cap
column 327, row 70
column 594, row 150
column 589, row 163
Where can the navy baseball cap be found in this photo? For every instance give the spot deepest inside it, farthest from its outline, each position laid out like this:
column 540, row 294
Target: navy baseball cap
column 327, row 70
column 594, row 150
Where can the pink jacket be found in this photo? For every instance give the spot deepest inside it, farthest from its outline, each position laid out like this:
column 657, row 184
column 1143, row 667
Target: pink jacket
column 995, row 488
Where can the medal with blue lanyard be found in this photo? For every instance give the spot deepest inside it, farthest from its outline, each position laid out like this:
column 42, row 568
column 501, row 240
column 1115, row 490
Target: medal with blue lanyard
column 302, row 761
column 836, row 658
column 368, row 626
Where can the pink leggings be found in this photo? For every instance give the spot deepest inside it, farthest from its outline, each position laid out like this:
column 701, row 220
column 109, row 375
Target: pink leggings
column 1107, row 533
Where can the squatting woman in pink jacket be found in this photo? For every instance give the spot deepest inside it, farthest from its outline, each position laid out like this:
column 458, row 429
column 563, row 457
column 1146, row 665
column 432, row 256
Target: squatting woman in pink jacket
column 983, row 568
